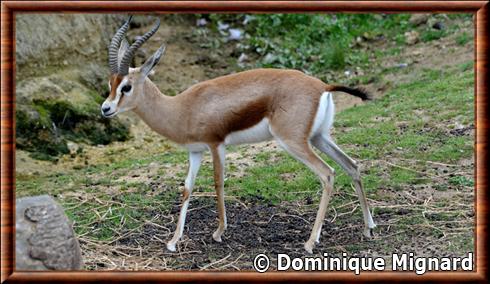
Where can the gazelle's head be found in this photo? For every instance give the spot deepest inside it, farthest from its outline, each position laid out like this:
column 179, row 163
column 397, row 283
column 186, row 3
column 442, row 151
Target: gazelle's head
column 126, row 84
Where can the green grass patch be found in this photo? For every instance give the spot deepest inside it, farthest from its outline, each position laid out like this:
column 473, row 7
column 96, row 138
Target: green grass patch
column 311, row 42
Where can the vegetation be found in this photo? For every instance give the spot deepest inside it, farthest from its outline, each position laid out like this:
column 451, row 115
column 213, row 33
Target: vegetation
column 318, row 42
column 414, row 145
column 44, row 125
column 398, row 133
column 322, row 42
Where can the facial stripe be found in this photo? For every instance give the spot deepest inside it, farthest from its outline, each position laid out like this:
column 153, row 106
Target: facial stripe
column 115, row 81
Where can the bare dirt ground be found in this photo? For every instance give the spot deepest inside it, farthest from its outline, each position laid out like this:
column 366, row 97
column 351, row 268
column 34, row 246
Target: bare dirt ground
column 254, row 227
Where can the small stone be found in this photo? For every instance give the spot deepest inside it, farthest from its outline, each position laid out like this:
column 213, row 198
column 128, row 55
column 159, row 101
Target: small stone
column 269, row 58
column 72, row 147
column 201, row 22
column 235, row 34
column 247, row 19
column 418, row 19
column 412, row 37
column 243, row 57
column 222, row 26
column 438, row 26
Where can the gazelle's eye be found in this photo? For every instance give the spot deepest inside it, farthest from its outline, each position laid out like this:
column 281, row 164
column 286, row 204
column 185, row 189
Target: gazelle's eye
column 126, row 88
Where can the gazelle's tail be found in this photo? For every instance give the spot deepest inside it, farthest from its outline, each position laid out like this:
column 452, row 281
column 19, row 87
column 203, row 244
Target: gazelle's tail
column 358, row 92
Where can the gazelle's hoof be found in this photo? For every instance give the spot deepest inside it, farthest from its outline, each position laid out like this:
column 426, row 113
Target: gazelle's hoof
column 309, row 245
column 217, row 236
column 171, row 246
column 368, row 232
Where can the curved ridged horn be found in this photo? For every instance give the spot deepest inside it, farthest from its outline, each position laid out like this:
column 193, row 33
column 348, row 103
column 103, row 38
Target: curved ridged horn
column 124, row 67
column 114, row 47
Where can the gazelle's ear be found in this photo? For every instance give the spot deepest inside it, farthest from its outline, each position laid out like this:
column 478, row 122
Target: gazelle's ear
column 122, row 49
column 152, row 61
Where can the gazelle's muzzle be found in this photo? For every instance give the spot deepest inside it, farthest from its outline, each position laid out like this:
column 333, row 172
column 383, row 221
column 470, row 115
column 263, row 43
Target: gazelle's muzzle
column 109, row 108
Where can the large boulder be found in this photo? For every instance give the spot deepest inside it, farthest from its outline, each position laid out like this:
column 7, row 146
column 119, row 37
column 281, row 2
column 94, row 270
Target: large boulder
column 44, row 238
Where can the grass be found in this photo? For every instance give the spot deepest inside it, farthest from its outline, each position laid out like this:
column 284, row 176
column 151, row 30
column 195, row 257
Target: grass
column 400, row 128
column 311, row 43
column 409, row 144
column 322, row 44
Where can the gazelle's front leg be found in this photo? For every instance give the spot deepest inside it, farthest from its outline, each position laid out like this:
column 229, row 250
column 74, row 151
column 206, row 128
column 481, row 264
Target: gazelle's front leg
column 218, row 154
column 194, row 164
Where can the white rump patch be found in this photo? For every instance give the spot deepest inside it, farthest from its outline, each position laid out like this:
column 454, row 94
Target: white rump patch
column 324, row 115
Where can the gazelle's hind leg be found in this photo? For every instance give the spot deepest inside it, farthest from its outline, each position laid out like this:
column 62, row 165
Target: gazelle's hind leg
column 301, row 150
column 327, row 146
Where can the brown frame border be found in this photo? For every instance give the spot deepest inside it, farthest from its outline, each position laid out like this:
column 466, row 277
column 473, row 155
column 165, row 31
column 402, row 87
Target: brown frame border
column 10, row 8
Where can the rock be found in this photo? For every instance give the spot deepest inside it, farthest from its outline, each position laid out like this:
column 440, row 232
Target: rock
column 243, row 58
column 201, row 22
column 418, row 19
column 36, row 46
column 235, row 34
column 270, row 58
column 438, row 26
column 401, row 65
column 72, row 147
column 248, row 19
column 412, row 37
column 223, row 26
column 94, row 76
column 44, row 237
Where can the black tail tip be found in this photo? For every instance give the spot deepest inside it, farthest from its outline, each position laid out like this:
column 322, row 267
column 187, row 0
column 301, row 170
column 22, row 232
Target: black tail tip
column 363, row 94
column 358, row 92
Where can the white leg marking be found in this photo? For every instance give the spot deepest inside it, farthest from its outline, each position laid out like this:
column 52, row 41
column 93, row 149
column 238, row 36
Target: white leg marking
column 194, row 164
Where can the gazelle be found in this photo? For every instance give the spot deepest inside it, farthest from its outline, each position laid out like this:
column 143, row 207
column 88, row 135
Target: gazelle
column 252, row 106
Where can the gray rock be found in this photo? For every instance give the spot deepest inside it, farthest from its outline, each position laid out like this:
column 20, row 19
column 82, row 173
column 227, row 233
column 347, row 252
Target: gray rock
column 438, row 26
column 45, row 38
column 94, row 76
column 412, row 37
column 418, row 19
column 44, row 236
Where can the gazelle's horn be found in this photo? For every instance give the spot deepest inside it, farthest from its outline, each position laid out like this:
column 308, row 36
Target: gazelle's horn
column 128, row 56
column 114, row 47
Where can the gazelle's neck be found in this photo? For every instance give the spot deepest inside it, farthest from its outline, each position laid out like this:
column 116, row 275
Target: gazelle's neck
column 161, row 113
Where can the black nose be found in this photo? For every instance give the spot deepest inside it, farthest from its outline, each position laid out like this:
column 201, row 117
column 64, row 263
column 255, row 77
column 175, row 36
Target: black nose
column 106, row 109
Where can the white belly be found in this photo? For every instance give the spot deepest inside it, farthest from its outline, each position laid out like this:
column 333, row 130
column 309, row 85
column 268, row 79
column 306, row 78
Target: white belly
column 257, row 133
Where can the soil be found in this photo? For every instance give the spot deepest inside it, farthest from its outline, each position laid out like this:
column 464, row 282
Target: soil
column 253, row 227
